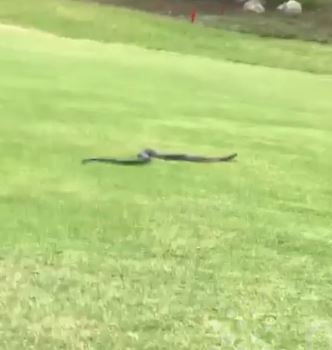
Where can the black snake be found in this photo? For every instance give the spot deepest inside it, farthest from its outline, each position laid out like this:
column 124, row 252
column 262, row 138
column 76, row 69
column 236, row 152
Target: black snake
column 147, row 155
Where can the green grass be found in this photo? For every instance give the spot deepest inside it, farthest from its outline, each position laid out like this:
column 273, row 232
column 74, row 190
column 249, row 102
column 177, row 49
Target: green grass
column 108, row 24
column 169, row 256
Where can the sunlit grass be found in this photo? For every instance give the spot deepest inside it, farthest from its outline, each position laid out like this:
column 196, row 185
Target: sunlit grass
column 168, row 256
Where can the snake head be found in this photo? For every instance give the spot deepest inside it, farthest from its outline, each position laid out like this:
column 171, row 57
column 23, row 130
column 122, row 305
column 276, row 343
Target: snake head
column 150, row 152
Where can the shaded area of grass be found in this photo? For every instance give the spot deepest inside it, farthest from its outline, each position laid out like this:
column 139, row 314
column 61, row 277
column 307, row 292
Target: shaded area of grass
column 108, row 24
column 313, row 26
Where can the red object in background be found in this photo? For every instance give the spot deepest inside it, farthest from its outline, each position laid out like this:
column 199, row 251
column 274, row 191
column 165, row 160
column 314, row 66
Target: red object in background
column 193, row 15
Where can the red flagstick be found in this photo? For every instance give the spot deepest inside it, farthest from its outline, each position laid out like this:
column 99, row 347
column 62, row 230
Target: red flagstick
column 193, row 15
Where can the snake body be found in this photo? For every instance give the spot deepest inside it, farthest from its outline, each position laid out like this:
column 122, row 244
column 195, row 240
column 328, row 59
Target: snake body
column 146, row 156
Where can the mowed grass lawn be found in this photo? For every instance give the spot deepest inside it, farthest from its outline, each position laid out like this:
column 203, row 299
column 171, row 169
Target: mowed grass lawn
column 168, row 256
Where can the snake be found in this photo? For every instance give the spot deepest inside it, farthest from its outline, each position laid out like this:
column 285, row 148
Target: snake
column 147, row 155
